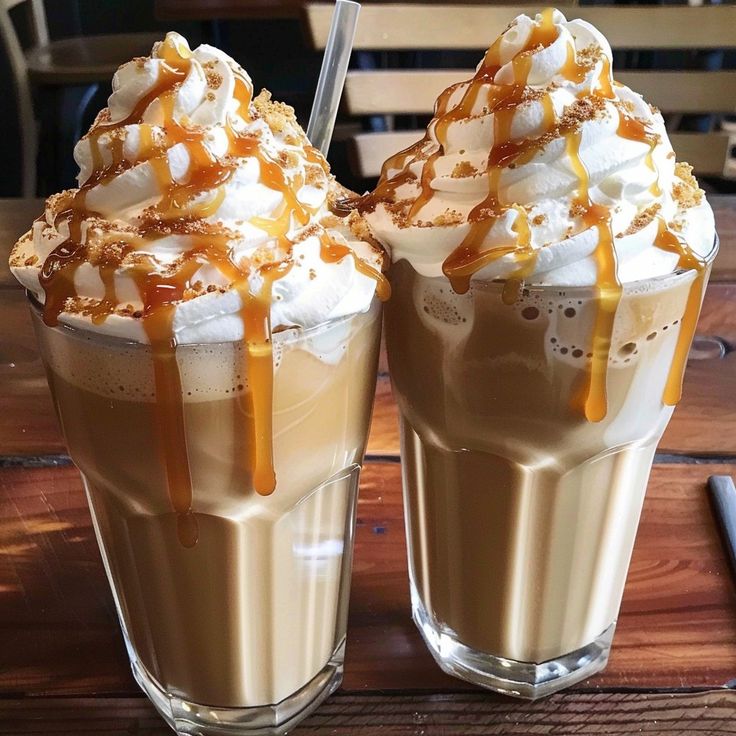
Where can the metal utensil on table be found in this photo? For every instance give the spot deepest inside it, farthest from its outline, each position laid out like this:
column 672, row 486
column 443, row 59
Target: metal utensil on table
column 723, row 495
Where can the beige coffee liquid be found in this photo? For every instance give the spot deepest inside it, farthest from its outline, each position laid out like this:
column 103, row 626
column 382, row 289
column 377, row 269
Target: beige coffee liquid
column 256, row 608
column 521, row 513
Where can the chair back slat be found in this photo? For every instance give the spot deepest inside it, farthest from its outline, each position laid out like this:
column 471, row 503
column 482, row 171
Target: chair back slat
column 414, row 91
column 452, row 26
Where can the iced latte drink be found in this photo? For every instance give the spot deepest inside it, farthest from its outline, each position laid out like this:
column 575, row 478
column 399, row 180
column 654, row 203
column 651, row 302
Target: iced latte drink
column 550, row 258
column 210, row 332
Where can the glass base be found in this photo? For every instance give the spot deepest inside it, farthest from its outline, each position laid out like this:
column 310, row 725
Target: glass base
column 528, row 680
column 194, row 719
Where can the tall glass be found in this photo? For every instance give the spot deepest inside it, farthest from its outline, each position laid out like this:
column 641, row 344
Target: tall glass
column 242, row 632
column 520, row 513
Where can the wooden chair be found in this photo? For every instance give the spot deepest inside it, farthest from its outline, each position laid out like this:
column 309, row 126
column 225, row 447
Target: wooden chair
column 473, row 27
column 78, row 60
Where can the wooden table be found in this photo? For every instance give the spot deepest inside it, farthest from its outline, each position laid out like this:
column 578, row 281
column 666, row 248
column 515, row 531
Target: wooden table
column 63, row 668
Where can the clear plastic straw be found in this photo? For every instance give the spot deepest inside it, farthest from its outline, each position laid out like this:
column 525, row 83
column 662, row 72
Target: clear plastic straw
column 332, row 74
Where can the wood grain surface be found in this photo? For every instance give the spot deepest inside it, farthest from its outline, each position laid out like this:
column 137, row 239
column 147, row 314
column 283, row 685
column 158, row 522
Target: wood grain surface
column 677, row 627
column 579, row 714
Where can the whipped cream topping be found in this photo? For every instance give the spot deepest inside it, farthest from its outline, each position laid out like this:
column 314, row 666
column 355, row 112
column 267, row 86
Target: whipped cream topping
column 190, row 185
column 529, row 165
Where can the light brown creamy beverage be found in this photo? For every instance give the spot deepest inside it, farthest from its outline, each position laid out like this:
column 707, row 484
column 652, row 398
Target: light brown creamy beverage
column 210, row 327
column 549, row 262
column 253, row 607
column 521, row 514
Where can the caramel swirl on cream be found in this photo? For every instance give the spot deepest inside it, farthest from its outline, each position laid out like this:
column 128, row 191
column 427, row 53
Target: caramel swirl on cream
column 542, row 169
column 201, row 216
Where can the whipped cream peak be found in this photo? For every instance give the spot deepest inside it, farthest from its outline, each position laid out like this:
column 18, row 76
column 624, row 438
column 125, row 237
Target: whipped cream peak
column 190, row 192
column 526, row 168
column 542, row 169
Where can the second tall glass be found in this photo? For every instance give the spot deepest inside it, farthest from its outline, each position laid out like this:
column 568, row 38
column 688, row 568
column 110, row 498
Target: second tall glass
column 521, row 513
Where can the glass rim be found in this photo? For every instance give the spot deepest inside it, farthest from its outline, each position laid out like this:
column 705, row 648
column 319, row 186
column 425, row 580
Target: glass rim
column 293, row 333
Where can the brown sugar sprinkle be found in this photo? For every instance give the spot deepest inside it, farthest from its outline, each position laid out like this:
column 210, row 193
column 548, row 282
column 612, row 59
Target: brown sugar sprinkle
column 104, row 116
column 288, row 159
column 59, row 202
column 539, row 220
column 534, row 94
column 676, row 226
column 312, row 274
column 279, row 116
column 531, row 51
column 101, row 252
column 589, row 56
column 447, row 218
column 581, row 111
column 641, row 220
column 686, row 192
column 463, row 169
column 214, row 79
column 31, row 261
column 210, row 97
column 577, row 210
column 306, row 233
column 653, row 109
column 313, row 174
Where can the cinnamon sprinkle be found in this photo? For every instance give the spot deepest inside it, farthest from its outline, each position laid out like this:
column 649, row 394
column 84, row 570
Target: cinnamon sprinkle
column 686, row 191
column 641, row 220
column 463, row 170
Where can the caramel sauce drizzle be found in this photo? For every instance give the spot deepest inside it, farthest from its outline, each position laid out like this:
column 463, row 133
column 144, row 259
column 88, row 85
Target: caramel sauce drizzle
column 635, row 130
column 668, row 241
column 333, row 252
column 593, row 398
column 182, row 211
column 502, row 100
